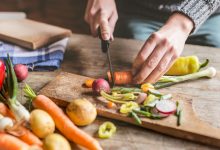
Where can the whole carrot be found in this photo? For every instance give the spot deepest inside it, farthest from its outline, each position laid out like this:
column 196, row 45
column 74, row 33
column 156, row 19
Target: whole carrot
column 26, row 135
column 121, row 77
column 9, row 142
column 62, row 122
column 5, row 111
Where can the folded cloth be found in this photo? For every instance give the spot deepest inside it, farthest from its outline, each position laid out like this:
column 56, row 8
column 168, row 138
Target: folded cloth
column 43, row 59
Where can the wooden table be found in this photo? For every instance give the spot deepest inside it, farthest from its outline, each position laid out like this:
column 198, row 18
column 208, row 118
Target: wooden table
column 84, row 57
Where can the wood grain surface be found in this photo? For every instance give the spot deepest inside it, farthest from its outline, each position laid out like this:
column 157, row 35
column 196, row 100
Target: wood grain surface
column 30, row 34
column 84, row 57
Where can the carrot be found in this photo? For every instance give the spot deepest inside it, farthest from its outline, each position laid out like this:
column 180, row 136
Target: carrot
column 26, row 136
column 89, row 82
column 5, row 111
column 62, row 122
column 121, row 77
column 9, row 142
column 111, row 105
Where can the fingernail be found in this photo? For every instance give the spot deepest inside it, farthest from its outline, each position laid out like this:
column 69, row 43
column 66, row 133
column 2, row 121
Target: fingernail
column 106, row 36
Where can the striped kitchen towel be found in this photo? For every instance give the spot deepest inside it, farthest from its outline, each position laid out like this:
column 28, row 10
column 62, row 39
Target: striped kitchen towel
column 43, row 59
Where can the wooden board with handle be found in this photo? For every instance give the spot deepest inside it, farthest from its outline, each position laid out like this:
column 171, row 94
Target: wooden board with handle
column 30, row 34
column 66, row 87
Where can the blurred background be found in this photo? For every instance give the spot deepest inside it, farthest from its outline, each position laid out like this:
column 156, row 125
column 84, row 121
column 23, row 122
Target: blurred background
column 63, row 13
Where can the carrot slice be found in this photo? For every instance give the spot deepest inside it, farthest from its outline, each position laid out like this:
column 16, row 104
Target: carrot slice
column 121, row 77
column 89, row 83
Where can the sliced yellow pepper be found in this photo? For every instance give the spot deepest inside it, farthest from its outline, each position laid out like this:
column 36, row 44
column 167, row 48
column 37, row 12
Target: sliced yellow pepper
column 146, row 86
column 186, row 65
column 106, row 130
column 128, row 107
column 150, row 98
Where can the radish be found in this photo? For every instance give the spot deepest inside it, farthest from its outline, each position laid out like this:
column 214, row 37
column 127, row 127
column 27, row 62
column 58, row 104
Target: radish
column 156, row 113
column 100, row 85
column 21, row 72
column 141, row 97
column 166, row 106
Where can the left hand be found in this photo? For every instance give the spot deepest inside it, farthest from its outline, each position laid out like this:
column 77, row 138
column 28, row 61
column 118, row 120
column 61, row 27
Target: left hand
column 161, row 49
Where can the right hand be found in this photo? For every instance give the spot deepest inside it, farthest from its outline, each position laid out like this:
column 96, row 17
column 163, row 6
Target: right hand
column 101, row 13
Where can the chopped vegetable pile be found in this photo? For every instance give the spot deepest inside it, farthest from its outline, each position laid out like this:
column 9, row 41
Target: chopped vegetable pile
column 136, row 103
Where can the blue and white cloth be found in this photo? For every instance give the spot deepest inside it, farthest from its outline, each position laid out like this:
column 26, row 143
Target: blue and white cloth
column 43, row 59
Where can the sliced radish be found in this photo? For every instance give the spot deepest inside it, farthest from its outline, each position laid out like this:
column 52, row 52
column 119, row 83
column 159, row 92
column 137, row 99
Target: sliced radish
column 156, row 113
column 166, row 106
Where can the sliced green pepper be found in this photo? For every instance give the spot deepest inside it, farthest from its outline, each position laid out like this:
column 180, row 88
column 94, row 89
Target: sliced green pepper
column 106, row 130
column 128, row 107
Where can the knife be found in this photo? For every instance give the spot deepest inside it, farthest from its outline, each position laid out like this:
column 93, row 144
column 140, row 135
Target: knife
column 105, row 49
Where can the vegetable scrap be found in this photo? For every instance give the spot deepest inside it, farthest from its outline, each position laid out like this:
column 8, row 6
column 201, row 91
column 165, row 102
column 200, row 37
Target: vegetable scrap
column 111, row 105
column 88, row 83
column 106, row 130
column 146, row 86
column 154, row 106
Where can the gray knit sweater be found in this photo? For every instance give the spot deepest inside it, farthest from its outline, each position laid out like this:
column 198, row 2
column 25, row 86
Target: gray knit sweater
column 197, row 10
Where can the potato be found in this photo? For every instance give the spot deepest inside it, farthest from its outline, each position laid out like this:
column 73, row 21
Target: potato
column 81, row 112
column 56, row 142
column 41, row 123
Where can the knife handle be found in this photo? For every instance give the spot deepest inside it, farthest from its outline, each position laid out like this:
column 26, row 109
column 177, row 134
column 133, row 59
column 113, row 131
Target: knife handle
column 104, row 43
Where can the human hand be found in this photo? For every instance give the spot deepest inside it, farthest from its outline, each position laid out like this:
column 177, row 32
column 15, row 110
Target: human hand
column 101, row 13
column 161, row 49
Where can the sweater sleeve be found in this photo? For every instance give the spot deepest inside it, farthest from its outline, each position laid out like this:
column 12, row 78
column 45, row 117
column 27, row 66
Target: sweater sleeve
column 198, row 10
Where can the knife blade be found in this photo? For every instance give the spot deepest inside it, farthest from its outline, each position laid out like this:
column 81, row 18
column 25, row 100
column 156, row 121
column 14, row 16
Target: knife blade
column 105, row 49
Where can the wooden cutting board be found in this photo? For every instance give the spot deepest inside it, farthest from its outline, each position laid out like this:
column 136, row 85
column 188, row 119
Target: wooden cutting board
column 30, row 34
column 66, row 87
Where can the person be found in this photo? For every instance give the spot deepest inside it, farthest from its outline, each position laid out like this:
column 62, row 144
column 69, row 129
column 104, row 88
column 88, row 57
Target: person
column 166, row 25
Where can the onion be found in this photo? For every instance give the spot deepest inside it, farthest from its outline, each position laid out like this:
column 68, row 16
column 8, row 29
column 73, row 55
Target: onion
column 5, row 122
column 141, row 97
column 100, row 85
column 20, row 112
column 21, row 72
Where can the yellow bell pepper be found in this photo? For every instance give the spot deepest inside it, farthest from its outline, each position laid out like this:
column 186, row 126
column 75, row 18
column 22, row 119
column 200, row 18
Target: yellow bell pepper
column 186, row 65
